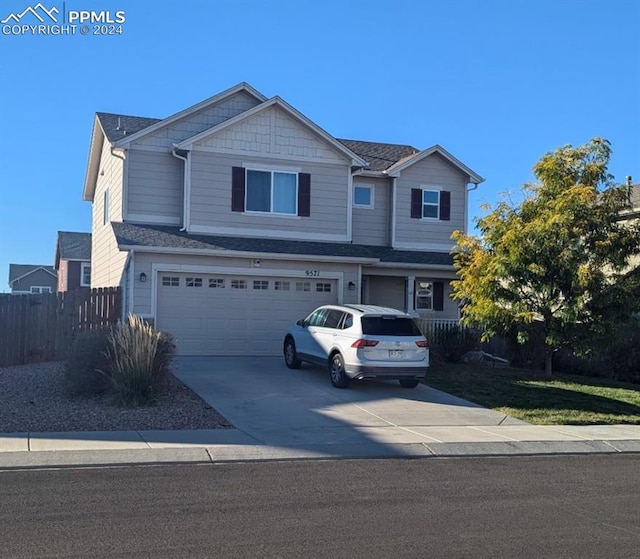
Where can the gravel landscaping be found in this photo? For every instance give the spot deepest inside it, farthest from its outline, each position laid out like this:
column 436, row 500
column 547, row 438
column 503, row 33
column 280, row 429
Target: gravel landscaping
column 33, row 398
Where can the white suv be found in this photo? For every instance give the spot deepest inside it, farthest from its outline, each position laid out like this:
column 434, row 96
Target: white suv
column 359, row 342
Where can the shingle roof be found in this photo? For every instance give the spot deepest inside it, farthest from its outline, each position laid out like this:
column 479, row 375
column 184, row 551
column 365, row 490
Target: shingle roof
column 19, row 270
column 379, row 156
column 117, row 127
column 73, row 246
column 128, row 234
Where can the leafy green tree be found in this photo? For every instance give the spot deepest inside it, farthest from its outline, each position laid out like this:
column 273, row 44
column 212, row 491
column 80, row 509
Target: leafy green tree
column 554, row 266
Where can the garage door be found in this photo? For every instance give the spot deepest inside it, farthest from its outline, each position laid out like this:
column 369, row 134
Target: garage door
column 235, row 315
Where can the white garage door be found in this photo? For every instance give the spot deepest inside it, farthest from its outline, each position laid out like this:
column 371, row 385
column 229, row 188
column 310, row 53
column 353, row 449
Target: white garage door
column 235, row 315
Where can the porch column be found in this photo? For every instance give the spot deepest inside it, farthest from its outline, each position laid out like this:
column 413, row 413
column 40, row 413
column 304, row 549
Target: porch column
column 410, row 302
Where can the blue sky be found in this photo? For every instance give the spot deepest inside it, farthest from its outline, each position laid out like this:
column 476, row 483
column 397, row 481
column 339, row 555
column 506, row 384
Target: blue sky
column 498, row 83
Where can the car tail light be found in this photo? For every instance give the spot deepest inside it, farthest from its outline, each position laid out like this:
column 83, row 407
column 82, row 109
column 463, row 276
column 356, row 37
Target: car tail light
column 364, row 343
column 422, row 343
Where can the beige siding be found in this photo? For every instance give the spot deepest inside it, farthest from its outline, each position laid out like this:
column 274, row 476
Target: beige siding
column 433, row 173
column 107, row 261
column 211, row 199
column 154, row 187
column 371, row 225
column 198, row 122
column 272, row 132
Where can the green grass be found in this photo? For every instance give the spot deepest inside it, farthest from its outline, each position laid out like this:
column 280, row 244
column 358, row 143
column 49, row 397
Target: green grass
column 530, row 396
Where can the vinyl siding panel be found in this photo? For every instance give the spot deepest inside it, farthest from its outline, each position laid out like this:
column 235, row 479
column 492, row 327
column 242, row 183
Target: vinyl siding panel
column 433, row 173
column 155, row 185
column 371, row 225
column 273, row 132
column 211, row 197
column 39, row 278
column 198, row 122
column 107, row 261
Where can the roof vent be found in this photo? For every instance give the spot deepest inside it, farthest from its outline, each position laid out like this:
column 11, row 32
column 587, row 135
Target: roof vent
column 119, row 125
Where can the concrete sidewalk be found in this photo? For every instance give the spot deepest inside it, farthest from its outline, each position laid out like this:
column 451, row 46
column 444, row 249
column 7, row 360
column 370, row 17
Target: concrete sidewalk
column 37, row 450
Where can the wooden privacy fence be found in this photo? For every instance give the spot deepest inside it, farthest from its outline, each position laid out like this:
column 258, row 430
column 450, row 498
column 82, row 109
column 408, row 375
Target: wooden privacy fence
column 41, row 327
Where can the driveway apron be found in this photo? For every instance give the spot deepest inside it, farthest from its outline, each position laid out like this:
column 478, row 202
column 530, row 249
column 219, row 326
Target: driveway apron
column 279, row 406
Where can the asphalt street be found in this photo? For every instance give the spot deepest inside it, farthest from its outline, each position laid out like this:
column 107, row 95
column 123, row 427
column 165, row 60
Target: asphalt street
column 554, row 506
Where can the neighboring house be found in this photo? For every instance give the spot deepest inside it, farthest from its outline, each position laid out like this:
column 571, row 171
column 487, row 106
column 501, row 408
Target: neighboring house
column 73, row 260
column 32, row 278
column 229, row 220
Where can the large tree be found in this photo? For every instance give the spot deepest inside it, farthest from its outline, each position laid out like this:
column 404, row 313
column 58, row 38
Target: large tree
column 556, row 264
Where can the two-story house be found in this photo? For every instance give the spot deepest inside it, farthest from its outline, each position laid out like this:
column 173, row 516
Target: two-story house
column 227, row 221
column 73, row 260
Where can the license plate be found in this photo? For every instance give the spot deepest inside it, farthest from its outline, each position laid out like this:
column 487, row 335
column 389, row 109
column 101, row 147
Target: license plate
column 397, row 353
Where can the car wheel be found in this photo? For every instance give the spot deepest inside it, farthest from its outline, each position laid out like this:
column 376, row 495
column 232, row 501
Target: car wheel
column 339, row 378
column 290, row 355
column 409, row 383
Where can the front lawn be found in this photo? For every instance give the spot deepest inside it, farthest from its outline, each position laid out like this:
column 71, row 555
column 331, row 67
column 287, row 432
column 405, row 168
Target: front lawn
column 530, row 396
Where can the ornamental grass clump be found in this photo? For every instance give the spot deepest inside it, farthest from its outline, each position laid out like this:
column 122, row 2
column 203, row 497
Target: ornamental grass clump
column 131, row 354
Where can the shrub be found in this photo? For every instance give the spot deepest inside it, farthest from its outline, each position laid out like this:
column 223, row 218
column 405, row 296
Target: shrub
column 135, row 365
column 86, row 368
column 450, row 343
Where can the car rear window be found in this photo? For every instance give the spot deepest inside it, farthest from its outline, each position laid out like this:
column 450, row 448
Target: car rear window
column 389, row 326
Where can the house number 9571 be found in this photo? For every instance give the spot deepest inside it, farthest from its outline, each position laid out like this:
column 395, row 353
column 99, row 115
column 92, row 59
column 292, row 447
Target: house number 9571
column 312, row 273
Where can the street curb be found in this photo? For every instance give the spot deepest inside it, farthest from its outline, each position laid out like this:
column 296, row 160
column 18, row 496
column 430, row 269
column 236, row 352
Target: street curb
column 260, row 453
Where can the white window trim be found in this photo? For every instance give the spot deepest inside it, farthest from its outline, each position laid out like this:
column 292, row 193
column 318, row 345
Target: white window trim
column 437, row 204
column 83, row 267
column 417, row 294
column 266, row 169
column 371, row 189
column 40, row 288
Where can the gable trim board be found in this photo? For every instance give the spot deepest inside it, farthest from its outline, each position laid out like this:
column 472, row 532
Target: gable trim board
column 243, row 86
column 400, row 166
column 189, row 143
column 31, row 272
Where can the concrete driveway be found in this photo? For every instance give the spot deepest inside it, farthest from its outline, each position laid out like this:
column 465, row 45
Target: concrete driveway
column 279, row 406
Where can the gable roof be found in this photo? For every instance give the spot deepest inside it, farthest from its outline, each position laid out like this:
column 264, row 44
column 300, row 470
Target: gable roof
column 72, row 245
column 411, row 160
column 132, row 236
column 379, row 156
column 242, row 86
column 19, row 271
column 275, row 101
column 117, row 127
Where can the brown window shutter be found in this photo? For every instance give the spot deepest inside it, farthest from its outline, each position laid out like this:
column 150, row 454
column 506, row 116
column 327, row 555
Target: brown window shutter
column 237, row 189
column 304, row 194
column 445, row 205
column 438, row 296
column 416, row 203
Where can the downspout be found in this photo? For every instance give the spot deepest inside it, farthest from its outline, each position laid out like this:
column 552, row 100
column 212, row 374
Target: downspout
column 186, row 187
column 392, row 213
column 125, row 179
column 466, row 207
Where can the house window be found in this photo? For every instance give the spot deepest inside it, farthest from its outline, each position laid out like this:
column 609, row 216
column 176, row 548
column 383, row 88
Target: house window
column 194, row 282
column 281, row 286
column 260, row 284
column 430, row 203
column 170, row 281
column 105, row 207
column 40, row 289
column 216, row 283
column 323, row 287
column 424, row 295
column 363, row 196
column 303, row 286
column 85, row 275
column 272, row 192
column 238, row 284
